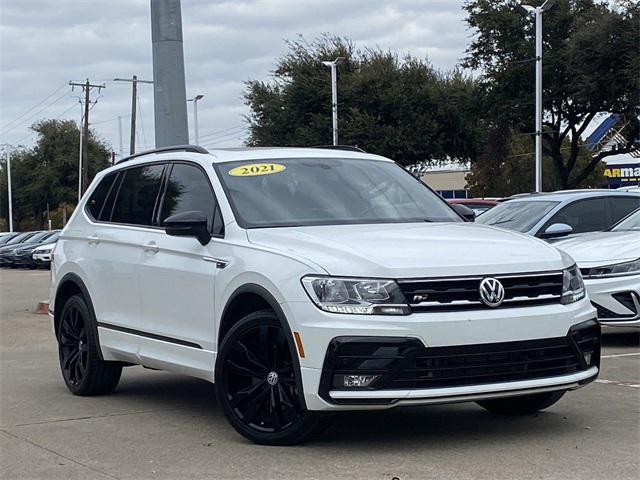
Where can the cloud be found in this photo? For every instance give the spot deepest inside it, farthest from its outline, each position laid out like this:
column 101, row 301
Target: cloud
column 225, row 44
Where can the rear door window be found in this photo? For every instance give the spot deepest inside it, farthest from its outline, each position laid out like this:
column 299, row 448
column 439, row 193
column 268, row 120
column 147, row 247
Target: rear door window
column 137, row 195
column 620, row 207
column 99, row 195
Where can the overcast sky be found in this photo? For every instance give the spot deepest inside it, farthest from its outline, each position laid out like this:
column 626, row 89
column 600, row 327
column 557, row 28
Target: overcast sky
column 44, row 44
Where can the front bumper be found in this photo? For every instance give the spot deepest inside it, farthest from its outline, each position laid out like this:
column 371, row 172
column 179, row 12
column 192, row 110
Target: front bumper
column 617, row 299
column 318, row 329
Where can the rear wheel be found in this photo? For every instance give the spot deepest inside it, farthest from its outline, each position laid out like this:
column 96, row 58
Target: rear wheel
column 522, row 404
column 84, row 372
column 256, row 383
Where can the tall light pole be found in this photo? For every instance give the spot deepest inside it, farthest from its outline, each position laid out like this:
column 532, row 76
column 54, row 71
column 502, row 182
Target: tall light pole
column 195, row 117
column 537, row 12
column 334, row 96
column 8, row 157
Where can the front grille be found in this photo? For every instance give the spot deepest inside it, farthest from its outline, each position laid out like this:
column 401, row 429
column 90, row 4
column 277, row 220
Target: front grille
column 430, row 294
column 405, row 363
column 480, row 364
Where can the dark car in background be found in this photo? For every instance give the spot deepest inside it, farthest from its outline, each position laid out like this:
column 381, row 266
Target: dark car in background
column 23, row 256
column 23, row 241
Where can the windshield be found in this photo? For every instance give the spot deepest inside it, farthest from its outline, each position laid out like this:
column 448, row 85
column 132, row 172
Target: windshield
column 5, row 238
column 20, row 238
column 327, row 191
column 38, row 237
column 632, row 222
column 519, row 215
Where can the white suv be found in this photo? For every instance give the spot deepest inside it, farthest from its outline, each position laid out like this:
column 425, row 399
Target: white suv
column 306, row 281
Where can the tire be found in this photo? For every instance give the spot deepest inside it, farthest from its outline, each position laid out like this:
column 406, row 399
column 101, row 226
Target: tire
column 522, row 405
column 83, row 371
column 256, row 383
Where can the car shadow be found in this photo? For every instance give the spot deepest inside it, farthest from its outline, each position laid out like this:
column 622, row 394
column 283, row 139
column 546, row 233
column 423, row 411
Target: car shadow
column 393, row 429
column 620, row 337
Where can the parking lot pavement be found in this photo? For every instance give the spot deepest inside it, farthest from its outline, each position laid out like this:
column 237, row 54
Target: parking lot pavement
column 160, row 425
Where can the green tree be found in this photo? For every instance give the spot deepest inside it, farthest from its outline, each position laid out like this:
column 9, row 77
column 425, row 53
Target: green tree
column 46, row 176
column 590, row 65
column 402, row 108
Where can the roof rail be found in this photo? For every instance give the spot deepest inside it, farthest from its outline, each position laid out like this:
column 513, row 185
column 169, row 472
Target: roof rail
column 173, row 148
column 348, row 148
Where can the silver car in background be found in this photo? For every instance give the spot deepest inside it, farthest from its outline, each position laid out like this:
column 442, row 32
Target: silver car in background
column 555, row 215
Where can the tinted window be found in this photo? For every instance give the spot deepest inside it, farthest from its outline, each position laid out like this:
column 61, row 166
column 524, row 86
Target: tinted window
column 137, row 195
column 583, row 216
column 20, row 238
column 99, row 195
column 622, row 206
column 632, row 222
column 188, row 189
column 328, row 191
column 516, row 215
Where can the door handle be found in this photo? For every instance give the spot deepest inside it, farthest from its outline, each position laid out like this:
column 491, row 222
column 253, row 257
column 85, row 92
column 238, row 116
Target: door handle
column 93, row 239
column 151, row 247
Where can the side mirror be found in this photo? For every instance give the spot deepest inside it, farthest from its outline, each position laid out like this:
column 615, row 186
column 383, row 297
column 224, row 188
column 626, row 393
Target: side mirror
column 188, row 224
column 465, row 212
column 557, row 230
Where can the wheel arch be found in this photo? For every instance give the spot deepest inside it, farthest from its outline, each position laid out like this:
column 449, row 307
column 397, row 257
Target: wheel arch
column 247, row 299
column 71, row 284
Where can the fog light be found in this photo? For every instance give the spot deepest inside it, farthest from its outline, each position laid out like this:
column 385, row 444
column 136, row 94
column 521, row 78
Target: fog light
column 587, row 358
column 355, row 381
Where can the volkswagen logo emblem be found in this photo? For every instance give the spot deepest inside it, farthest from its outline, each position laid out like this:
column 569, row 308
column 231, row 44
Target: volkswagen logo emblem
column 272, row 378
column 491, row 292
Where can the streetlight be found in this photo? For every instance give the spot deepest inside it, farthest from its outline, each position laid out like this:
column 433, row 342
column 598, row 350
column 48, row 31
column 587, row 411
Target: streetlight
column 538, row 11
column 8, row 157
column 334, row 96
column 195, row 116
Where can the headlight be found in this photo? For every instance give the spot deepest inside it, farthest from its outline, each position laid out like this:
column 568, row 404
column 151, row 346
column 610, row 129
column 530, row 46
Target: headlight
column 46, row 250
column 572, row 286
column 616, row 270
column 356, row 296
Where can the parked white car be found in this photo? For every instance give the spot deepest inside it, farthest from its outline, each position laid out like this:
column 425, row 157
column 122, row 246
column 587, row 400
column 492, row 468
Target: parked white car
column 610, row 264
column 306, row 281
column 42, row 255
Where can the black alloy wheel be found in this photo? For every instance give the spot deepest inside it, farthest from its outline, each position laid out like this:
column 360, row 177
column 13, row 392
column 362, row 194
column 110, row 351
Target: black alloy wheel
column 74, row 348
column 257, row 385
column 83, row 369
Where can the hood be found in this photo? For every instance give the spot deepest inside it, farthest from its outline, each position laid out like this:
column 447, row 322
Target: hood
column 602, row 248
column 405, row 250
column 45, row 246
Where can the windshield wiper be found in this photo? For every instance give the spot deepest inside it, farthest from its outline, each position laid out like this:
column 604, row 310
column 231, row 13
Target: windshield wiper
column 503, row 221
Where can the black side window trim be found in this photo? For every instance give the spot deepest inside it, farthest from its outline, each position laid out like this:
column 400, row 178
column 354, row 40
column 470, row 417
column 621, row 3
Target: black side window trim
column 168, row 171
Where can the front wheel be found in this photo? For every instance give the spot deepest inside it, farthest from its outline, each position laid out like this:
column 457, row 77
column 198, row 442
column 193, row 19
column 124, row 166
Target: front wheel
column 256, row 383
column 523, row 404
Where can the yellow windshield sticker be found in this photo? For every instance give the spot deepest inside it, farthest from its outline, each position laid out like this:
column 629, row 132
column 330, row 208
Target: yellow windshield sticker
column 255, row 169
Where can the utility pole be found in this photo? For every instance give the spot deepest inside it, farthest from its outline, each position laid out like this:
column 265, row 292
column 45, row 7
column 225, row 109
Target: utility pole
column 334, row 97
column 195, row 117
column 134, row 98
column 87, row 86
column 537, row 12
column 169, row 91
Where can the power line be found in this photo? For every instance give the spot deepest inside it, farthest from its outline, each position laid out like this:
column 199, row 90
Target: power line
column 35, row 106
column 227, row 140
column 222, row 131
column 16, row 125
column 220, row 137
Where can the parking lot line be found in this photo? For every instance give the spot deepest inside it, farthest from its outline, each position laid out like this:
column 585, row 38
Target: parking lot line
column 620, row 355
column 620, row 384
